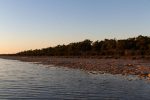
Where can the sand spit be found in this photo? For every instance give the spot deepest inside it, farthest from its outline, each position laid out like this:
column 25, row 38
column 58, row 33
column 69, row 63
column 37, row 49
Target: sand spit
column 140, row 67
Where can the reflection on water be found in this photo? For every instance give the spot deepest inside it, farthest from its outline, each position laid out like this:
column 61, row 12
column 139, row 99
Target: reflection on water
column 22, row 80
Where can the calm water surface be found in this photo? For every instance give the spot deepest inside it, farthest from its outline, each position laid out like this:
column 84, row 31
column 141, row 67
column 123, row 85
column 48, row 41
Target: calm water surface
column 23, row 80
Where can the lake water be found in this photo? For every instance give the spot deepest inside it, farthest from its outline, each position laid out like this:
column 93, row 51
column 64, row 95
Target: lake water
column 23, row 80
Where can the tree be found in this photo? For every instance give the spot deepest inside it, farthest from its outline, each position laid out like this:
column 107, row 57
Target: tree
column 125, row 47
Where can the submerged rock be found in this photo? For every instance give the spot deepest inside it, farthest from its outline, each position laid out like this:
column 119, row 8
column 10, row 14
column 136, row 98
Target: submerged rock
column 145, row 75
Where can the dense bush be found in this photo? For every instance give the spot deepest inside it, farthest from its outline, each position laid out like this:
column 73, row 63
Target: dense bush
column 108, row 47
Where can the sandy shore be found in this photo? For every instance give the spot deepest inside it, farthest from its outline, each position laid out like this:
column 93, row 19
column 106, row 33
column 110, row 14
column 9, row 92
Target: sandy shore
column 139, row 67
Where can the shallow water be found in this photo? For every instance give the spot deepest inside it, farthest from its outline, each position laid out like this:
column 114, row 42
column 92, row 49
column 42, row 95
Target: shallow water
column 23, row 80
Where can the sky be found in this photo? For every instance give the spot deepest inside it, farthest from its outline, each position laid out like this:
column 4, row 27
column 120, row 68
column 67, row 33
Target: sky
column 31, row 24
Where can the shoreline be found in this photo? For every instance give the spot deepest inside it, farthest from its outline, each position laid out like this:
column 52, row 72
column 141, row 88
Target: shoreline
column 140, row 67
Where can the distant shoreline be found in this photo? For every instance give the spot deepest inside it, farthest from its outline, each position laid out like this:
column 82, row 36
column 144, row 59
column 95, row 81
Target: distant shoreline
column 140, row 67
column 135, row 46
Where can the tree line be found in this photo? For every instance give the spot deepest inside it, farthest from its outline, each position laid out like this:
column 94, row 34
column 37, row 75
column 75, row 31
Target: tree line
column 109, row 47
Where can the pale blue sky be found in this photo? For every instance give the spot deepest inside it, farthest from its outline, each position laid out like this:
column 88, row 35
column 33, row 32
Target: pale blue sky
column 30, row 24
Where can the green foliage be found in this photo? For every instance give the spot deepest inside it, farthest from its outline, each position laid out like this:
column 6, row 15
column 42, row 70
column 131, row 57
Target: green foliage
column 126, row 47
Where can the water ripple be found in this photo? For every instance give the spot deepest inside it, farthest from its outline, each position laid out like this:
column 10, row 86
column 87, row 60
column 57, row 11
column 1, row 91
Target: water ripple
column 21, row 80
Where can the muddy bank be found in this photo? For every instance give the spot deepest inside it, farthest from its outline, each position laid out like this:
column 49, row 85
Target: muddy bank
column 139, row 67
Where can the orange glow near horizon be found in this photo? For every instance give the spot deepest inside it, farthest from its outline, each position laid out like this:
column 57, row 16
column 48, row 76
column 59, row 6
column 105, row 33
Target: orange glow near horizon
column 25, row 25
